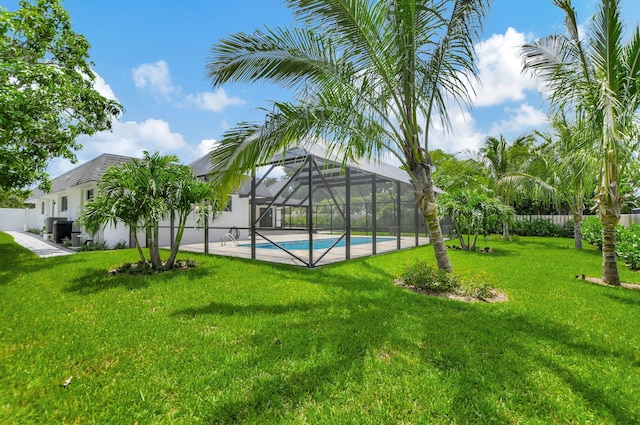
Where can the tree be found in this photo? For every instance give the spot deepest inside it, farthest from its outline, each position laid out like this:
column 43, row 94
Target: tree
column 47, row 98
column 509, row 168
column 597, row 79
column 13, row 198
column 143, row 192
column 452, row 174
column 369, row 76
column 473, row 213
column 572, row 168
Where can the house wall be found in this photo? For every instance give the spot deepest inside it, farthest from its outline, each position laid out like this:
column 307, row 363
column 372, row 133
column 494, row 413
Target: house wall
column 238, row 217
column 51, row 205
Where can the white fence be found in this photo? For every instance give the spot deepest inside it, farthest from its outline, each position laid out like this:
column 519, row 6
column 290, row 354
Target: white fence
column 561, row 219
column 13, row 219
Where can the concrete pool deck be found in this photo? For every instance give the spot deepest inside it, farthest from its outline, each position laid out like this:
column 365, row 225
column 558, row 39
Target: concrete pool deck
column 272, row 255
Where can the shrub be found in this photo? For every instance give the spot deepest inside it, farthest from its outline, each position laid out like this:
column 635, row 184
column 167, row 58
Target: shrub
column 628, row 245
column 592, row 231
column 539, row 227
column 567, row 229
column 423, row 276
column 121, row 245
column 476, row 287
column 94, row 246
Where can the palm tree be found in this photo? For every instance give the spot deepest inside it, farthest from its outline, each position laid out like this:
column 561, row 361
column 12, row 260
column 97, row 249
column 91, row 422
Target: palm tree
column 141, row 193
column 115, row 202
column 511, row 170
column 571, row 168
column 473, row 212
column 183, row 195
column 369, row 76
column 598, row 78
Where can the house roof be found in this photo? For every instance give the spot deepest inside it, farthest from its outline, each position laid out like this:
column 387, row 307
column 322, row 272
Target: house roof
column 91, row 171
column 202, row 166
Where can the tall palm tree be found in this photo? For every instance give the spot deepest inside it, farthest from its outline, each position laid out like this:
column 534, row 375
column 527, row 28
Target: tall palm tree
column 510, row 169
column 598, row 78
column 571, row 168
column 369, row 76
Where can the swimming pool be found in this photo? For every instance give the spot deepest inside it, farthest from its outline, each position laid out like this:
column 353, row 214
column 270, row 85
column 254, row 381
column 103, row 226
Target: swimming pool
column 320, row 243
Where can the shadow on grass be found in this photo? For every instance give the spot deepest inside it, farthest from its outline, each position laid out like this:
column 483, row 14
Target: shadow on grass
column 24, row 262
column 93, row 281
column 484, row 356
column 624, row 300
column 227, row 309
column 97, row 280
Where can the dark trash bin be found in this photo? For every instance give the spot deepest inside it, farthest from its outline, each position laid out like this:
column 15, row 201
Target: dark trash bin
column 62, row 229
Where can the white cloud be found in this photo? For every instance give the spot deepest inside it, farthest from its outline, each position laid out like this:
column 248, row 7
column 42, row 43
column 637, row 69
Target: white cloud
column 499, row 67
column 463, row 135
column 214, row 101
column 205, row 146
column 102, row 87
column 523, row 118
column 128, row 138
column 154, row 77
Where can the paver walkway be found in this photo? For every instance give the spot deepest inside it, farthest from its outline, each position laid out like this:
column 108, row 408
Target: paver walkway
column 39, row 246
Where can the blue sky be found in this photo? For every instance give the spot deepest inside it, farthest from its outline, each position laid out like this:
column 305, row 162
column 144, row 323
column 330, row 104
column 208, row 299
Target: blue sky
column 151, row 56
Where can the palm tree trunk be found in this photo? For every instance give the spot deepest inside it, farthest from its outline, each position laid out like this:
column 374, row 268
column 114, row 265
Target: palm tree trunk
column 475, row 241
column 609, row 261
column 577, row 231
column 505, row 230
column 460, row 235
column 426, row 201
column 577, row 207
column 182, row 221
column 140, row 251
column 154, row 248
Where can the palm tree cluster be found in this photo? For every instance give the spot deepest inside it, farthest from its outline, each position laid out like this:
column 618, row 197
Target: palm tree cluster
column 595, row 81
column 143, row 192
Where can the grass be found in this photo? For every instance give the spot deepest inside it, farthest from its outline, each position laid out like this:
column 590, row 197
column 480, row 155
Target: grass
column 236, row 341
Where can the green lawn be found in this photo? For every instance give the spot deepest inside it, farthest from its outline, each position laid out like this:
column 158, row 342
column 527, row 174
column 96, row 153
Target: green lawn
column 236, row 341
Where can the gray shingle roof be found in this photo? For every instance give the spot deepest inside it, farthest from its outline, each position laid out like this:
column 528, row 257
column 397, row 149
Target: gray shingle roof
column 202, row 166
column 91, row 171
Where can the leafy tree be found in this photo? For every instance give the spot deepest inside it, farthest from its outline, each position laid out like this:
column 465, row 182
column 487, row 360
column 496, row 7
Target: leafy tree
column 13, row 198
column 452, row 174
column 47, row 97
column 511, row 169
column 141, row 193
column 369, row 76
column 598, row 79
column 473, row 213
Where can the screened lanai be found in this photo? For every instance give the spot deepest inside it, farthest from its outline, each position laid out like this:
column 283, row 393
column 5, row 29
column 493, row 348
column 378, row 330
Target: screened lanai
column 323, row 209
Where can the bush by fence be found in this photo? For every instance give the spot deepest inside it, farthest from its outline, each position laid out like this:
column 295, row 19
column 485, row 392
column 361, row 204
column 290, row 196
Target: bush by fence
column 542, row 227
column 627, row 240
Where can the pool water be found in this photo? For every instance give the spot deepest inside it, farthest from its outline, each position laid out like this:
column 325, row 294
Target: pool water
column 320, row 243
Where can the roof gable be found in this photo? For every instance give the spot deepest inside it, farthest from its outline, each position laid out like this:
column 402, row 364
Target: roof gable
column 91, row 171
